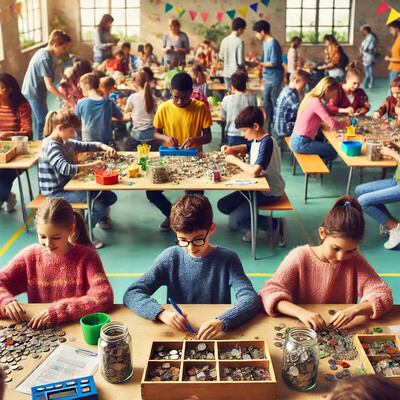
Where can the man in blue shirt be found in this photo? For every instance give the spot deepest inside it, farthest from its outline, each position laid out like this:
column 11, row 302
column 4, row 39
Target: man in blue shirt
column 272, row 64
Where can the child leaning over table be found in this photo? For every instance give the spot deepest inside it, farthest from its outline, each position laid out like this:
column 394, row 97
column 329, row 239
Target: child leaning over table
column 265, row 160
column 63, row 270
column 195, row 272
column 389, row 106
column 333, row 272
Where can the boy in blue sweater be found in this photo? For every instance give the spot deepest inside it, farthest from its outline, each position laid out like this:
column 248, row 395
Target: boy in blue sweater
column 195, row 272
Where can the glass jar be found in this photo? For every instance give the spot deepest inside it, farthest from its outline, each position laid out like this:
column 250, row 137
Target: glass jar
column 300, row 359
column 157, row 170
column 115, row 352
column 374, row 147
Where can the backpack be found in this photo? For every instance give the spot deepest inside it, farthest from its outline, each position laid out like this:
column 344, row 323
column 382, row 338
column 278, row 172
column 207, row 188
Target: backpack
column 344, row 59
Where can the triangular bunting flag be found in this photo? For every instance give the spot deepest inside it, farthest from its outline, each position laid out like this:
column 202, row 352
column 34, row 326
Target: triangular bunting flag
column 243, row 11
column 254, row 7
column 392, row 16
column 158, row 2
column 231, row 14
column 192, row 14
column 168, row 7
column 181, row 11
column 1, row 16
column 19, row 8
column 265, row 2
column 204, row 15
column 219, row 16
column 382, row 8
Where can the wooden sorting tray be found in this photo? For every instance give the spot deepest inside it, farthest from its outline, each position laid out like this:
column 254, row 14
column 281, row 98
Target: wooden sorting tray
column 367, row 359
column 6, row 157
column 211, row 390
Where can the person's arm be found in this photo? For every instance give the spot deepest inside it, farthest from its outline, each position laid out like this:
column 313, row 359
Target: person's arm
column 24, row 114
column 98, row 44
column 116, row 112
column 390, row 152
column 240, row 54
column 322, row 112
column 363, row 105
column 185, row 44
column 165, row 47
column 48, row 81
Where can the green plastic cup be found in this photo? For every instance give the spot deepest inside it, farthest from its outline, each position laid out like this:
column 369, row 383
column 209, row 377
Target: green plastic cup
column 91, row 325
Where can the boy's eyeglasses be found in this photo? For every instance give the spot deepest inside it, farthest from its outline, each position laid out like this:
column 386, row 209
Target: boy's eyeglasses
column 196, row 242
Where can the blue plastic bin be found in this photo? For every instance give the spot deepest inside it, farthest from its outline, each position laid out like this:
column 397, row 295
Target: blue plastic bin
column 351, row 148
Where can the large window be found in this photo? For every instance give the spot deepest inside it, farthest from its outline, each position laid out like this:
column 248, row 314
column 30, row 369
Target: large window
column 312, row 19
column 126, row 14
column 30, row 23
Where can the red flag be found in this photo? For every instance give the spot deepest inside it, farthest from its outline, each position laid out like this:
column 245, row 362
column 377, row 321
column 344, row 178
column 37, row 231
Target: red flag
column 192, row 14
column 383, row 7
column 204, row 15
column 219, row 16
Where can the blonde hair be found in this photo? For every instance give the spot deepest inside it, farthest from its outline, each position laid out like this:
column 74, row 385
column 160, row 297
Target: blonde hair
column 197, row 74
column 355, row 68
column 57, row 211
column 90, row 79
column 324, row 85
column 142, row 80
column 65, row 118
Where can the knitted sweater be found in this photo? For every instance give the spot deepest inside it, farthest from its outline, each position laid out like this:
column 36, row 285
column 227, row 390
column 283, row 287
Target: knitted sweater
column 303, row 278
column 388, row 107
column 196, row 280
column 75, row 284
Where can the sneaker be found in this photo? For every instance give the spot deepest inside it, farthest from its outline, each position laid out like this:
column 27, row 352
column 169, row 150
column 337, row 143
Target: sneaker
column 247, row 237
column 105, row 223
column 383, row 231
column 282, row 232
column 97, row 243
column 394, row 238
column 165, row 225
column 11, row 202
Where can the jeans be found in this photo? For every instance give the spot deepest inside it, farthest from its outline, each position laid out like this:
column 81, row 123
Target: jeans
column 157, row 198
column 103, row 200
column 373, row 196
column 369, row 76
column 272, row 87
column 40, row 110
column 305, row 145
column 236, row 140
column 227, row 82
column 392, row 75
column 7, row 177
column 238, row 209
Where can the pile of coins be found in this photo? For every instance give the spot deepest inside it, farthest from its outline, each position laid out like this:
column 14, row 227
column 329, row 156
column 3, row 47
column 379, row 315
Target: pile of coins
column 249, row 373
column 200, row 374
column 163, row 373
column 200, row 352
column 163, row 353
column 18, row 341
column 389, row 367
column 333, row 365
column 338, row 343
column 238, row 352
column 381, row 348
column 119, row 162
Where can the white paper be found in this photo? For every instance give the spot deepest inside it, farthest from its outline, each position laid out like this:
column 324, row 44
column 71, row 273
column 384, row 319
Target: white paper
column 395, row 329
column 64, row 363
column 241, row 182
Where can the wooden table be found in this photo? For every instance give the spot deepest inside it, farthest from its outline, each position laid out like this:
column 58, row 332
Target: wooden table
column 22, row 163
column 143, row 183
column 144, row 331
column 359, row 161
column 125, row 119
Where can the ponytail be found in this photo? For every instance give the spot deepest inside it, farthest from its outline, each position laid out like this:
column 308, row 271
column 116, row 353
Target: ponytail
column 142, row 80
column 81, row 234
column 49, row 126
column 355, row 68
column 65, row 118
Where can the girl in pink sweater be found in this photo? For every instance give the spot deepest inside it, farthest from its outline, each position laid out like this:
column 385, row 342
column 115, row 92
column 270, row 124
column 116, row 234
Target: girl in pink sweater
column 312, row 113
column 63, row 270
column 332, row 273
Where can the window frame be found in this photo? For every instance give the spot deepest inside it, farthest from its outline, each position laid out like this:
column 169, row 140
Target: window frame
column 31, row 31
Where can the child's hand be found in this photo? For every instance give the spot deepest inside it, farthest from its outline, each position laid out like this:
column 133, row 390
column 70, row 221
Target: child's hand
column 110, row 150
column 98, row 164
column 375, row 115
column 387, row 151
column 39, row 319
column 172, row 141
column 188, row 143
column 342, row 318
column 210, row 329
column 15, row 311
column 174, row 320
column 361, row 111
column 349, row 110
column 226, row 150
column 312, row 320
column 387, row 58
column 231, row 159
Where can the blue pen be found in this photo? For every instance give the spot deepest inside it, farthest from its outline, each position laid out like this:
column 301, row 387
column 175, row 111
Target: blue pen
column 180, row 312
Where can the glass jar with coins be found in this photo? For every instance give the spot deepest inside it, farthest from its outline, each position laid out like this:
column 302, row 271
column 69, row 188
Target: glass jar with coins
column 115, row 352
column 300, row 359
column 374, row 147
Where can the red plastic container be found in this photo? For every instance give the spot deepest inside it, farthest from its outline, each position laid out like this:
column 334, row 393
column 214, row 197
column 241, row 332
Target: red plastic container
column 106, row 177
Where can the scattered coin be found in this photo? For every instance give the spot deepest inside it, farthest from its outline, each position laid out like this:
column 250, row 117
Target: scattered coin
column 331, row 312
column 246, row 373
column 8, row 379
column 333, row 367
column 329, row 377
column 201, row 373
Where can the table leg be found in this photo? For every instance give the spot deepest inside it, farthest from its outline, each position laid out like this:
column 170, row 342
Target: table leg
column 349, row 181
column 305, row 188
column 21, row 195
column 293, row 165
column 29, row 185
column 89, row 206
column 222, row 124
column 251, row 197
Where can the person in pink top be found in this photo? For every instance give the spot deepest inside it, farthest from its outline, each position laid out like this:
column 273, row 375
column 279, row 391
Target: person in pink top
column 332, row 273
column 63, row 270
column 312, row 113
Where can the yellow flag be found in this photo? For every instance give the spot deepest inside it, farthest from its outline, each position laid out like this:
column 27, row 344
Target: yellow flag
column 392, row 16
column 243, row 11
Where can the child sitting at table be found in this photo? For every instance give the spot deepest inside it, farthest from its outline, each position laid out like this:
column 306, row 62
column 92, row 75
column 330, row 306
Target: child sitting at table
column 312, row 112
column 63, row 270
column 205, row 54
column 333, row 272
column 195, row 272
column 232, row 105
column 265, row 161
column 350, row 98
column 199, row 84
column 118, row 63
column 106, row 86
column 288, row 103
column 389, row 106
column 96, row 112
column 148, row 58
column 57, row 166
column 126, row 48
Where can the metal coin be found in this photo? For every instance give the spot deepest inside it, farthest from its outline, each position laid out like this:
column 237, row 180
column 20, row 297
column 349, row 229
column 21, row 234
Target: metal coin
column 8, row 379
column 339, row 375
column 293, row 371
column 62, row 340
column 278, row 344
column 333, row 367
column 329, row 377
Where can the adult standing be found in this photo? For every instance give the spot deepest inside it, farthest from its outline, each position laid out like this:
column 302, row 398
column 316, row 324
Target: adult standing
column 175, row 43
column 334, row 65
column 394, row 58
column 368, row 55
column 272, row 64
column 102, row 39
column 231, row 51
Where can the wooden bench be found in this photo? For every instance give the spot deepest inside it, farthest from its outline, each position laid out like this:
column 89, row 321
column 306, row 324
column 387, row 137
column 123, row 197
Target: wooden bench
column 37, row 202
column 309, row 163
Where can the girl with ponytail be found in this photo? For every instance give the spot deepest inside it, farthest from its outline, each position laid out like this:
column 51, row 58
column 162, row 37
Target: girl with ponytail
column 63, row 270
column 334, row 272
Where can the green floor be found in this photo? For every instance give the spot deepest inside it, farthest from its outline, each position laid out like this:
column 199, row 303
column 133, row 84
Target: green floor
column 134, row 242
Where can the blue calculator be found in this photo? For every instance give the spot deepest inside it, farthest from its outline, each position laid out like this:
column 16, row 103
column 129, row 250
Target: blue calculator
column 74, row 389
